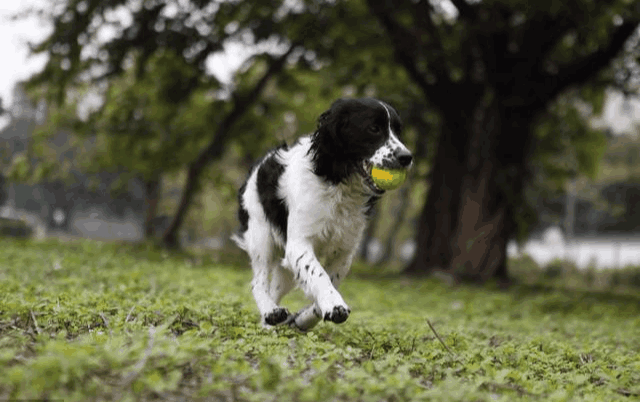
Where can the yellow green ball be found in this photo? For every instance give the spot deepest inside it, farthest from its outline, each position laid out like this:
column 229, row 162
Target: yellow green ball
column 388, row 179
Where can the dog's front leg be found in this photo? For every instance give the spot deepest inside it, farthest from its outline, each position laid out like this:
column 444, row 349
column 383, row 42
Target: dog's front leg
column 310, row 315
column 315, row 282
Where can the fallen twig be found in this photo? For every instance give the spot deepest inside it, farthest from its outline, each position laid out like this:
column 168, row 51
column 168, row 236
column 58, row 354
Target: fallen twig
column 104, row 320
column 492, row 386
column 627, row 392
column 35, row 322
column 129, row 315
column 440, row 339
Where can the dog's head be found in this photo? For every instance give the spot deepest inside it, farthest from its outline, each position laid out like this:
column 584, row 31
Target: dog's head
column 355, row 135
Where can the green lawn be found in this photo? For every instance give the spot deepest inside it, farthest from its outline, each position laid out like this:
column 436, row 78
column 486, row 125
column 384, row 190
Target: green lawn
column 87, row 321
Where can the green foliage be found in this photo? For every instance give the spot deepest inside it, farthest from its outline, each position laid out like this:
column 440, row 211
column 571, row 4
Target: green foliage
column 161, row 107
column 15, row 228
column 146, row 125
column 566, row 145
column 160, row 104
column 620, row 162
column 95, row 321
column 20, row 168
column 566, row 148
column 555, row 269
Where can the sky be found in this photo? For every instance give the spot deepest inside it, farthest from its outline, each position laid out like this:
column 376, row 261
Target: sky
column 16, row 65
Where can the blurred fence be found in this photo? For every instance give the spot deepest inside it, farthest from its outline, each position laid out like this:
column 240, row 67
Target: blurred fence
column 597, row 252
column 585, row 251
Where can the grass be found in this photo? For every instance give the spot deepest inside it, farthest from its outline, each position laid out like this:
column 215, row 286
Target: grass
column 90, row 321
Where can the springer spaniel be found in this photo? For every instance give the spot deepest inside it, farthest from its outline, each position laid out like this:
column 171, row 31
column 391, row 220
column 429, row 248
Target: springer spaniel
column 311, row 201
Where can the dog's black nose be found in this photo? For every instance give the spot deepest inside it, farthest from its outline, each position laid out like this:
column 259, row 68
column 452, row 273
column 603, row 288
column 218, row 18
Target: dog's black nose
column 403, row 156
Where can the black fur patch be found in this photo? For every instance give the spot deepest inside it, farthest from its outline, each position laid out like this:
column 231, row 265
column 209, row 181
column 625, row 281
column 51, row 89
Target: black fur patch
column 370, row 205
column 243, row 214
column 348, row 133
column 277, row 316
column 274, row 207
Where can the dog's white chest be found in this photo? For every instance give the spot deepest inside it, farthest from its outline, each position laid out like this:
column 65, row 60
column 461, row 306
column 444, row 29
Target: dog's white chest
column 343, row 224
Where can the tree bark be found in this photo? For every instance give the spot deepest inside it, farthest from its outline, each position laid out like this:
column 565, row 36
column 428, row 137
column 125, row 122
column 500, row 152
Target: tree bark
column 369, row 233
column 400, row 214
column 466, row 221
column 152, row 195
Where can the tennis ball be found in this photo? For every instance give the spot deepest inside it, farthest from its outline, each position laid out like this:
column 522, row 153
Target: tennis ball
column 388, row 179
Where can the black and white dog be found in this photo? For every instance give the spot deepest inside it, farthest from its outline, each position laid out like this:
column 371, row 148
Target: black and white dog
column 311, row 201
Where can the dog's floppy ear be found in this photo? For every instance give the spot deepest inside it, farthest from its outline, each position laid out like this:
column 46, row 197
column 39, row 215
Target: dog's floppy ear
column 324, row 118
column 327, row 146
column 329, row 125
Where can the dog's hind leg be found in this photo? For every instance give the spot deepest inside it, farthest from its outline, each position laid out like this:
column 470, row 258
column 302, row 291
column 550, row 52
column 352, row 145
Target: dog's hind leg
column 271, row 313
column 281, row 283
column 260, row 249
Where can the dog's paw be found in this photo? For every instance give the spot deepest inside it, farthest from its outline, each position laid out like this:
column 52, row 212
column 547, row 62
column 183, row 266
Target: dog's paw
column 338, row 315
column 277, row 316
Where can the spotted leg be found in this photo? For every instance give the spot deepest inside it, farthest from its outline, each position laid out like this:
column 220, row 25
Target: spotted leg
column 309, row 316
column 314, row 281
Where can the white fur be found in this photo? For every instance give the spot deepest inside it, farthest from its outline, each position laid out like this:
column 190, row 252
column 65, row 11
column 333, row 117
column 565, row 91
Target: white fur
column 392, row 144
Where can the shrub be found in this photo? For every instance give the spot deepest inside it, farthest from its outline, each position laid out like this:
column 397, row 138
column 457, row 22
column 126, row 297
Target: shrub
column 14, row 228
column 553, row 270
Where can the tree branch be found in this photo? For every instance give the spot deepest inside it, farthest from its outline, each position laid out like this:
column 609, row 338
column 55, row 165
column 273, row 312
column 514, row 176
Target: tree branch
column 407, row 52
column 242, row 102
column 585, row 68
column 541, row 33
column 424, row 11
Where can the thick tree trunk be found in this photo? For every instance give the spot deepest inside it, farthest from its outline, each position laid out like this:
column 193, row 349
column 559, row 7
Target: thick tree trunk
column 466, row 222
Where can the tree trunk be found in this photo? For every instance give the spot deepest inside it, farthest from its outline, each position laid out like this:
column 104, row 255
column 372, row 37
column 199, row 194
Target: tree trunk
column 369, row 233
column 170, row 237
column 152, row 194
column 466, row 222
column 400, row 214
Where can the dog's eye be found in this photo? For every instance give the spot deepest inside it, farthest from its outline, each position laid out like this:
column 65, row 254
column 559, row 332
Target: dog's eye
column 374, row 129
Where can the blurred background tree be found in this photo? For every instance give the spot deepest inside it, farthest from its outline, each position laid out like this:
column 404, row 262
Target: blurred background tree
column 493, row 69
column 496, row 97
